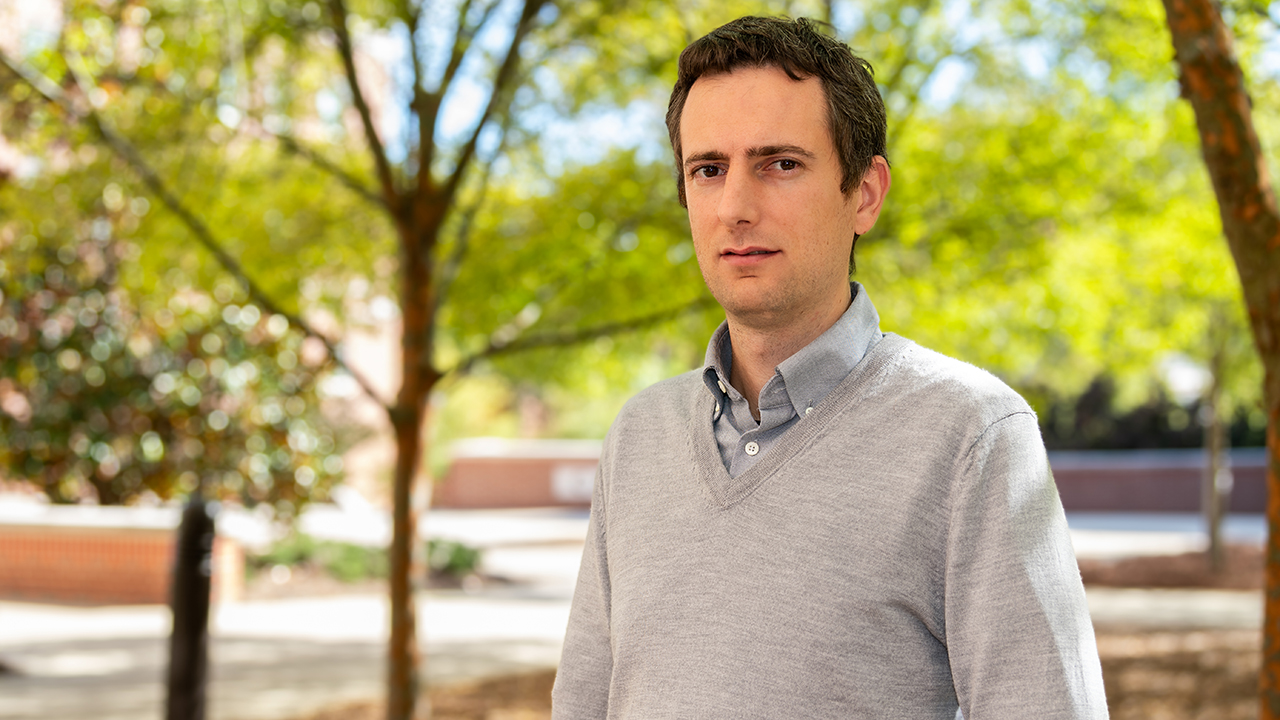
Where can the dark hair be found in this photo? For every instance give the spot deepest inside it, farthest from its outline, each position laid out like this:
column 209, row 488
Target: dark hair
column 855, row 110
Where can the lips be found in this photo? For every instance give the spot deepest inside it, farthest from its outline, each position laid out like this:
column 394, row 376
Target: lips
column 745, row 258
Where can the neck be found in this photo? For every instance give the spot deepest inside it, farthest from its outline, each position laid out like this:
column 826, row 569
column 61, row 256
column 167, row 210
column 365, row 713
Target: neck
column 759, row 348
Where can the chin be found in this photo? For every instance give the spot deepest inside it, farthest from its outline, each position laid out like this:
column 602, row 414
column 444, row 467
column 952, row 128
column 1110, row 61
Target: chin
column 755, row 311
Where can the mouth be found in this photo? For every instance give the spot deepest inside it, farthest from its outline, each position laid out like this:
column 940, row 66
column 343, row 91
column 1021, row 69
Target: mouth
column 748, row 252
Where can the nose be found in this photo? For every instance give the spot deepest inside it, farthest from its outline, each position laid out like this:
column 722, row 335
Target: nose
column 738, row 201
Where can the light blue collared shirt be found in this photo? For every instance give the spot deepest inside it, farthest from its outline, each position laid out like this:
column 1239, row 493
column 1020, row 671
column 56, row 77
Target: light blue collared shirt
column 798, row 383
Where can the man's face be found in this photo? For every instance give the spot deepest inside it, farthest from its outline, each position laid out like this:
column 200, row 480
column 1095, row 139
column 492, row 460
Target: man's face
column 770, row 226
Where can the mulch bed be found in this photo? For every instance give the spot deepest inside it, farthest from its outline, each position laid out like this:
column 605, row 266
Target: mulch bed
column 1193, row 675
column 1181, row 675
column 1197, row 675
column 1150, row 675
column 525, row 696
column 1242, row 570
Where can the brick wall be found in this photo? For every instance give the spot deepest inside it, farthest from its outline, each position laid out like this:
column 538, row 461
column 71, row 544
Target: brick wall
column 52, row 558
column 499, row 473
column 1153, row 480
column 492, row 473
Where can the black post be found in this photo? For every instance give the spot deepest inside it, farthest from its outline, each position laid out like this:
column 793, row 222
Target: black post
column 188, row 647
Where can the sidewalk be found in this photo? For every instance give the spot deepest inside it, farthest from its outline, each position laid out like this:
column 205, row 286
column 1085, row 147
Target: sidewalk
column 270, row 659
column 1115, row 535
column 277, row 659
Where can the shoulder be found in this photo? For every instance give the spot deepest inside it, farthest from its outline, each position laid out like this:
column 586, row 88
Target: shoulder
column 937, row 385
column 660, row 406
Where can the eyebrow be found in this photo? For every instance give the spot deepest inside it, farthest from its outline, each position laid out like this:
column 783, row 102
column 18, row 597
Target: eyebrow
column 755, row 152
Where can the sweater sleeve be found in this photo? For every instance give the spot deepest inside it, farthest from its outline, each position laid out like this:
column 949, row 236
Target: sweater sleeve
column 1018, row 632
column 581, row 690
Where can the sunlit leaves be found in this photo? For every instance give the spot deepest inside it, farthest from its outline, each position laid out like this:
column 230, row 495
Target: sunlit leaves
column 106, row 398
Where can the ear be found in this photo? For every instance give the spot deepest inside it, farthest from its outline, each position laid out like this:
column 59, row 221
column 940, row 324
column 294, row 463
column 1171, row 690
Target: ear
column 871, row 193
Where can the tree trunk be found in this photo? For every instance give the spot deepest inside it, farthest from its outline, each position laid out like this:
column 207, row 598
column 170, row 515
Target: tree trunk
column 189, row 641
column 1214, row 85
column 418, row 231
column 403, row 657
column 408, row 420
column 1216, row 485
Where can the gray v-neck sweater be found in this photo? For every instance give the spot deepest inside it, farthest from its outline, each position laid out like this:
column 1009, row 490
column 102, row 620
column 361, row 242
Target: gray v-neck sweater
column 899, row 553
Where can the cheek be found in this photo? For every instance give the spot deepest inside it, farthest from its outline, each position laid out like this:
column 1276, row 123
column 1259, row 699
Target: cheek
column 698, row 233
column 700, row 212
column 701, row 228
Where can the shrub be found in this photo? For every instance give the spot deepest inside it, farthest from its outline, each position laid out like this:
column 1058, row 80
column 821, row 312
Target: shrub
column 344, row 561
column 448, row 557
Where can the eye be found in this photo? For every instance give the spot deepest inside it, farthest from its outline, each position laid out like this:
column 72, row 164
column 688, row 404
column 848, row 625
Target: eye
column 786, row 164
column 706, row 171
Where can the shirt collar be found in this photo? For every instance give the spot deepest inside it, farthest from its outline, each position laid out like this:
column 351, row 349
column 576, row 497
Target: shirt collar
column 814, row 371
column 715, row 372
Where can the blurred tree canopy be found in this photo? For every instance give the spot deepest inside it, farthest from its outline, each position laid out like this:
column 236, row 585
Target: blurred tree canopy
column 105, row 399
column 1045, row 175
column 312, row 149
column 1051, row 221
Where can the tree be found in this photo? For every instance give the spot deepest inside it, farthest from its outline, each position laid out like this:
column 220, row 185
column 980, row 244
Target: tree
column 248, row 81
column 103, row 401
column 1213, row 83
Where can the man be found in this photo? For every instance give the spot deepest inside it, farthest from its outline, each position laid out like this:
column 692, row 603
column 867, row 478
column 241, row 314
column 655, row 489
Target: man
column 826, row 521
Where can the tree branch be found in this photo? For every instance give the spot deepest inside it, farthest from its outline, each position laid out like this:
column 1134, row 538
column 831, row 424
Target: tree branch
column 496, row 97
column 574, row 337
column 453, row 264
column 431, row 102
column 422, row 102
column 346, row 50
column 351, row 181
column 53, row 94
column 462, row 38
column 895, row 79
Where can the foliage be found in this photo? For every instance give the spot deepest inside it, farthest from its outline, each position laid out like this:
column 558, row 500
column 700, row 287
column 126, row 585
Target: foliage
column 346, row 562
column 1049, row 218
column 350, row 563
column 1091, row 421
column 105, row 398
column 453, row 558
column 216, row 390
column 1027, row 203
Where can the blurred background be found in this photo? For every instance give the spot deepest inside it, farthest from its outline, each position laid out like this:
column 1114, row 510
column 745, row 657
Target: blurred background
column 316, row 262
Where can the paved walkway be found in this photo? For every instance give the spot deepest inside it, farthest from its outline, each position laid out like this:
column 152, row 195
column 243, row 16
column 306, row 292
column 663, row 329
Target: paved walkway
column 281, row 658
column 270, row 659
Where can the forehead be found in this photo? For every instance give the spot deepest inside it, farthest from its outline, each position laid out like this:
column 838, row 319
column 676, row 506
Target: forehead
column 754, row 106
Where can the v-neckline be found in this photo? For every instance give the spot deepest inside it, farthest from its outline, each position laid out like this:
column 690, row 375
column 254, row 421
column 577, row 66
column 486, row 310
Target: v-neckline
column 726, row 490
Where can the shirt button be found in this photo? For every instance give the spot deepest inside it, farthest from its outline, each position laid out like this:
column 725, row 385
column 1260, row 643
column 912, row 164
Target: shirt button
column 723, row 389
column 752, row 448
column 808, row 410
column 717, row 408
